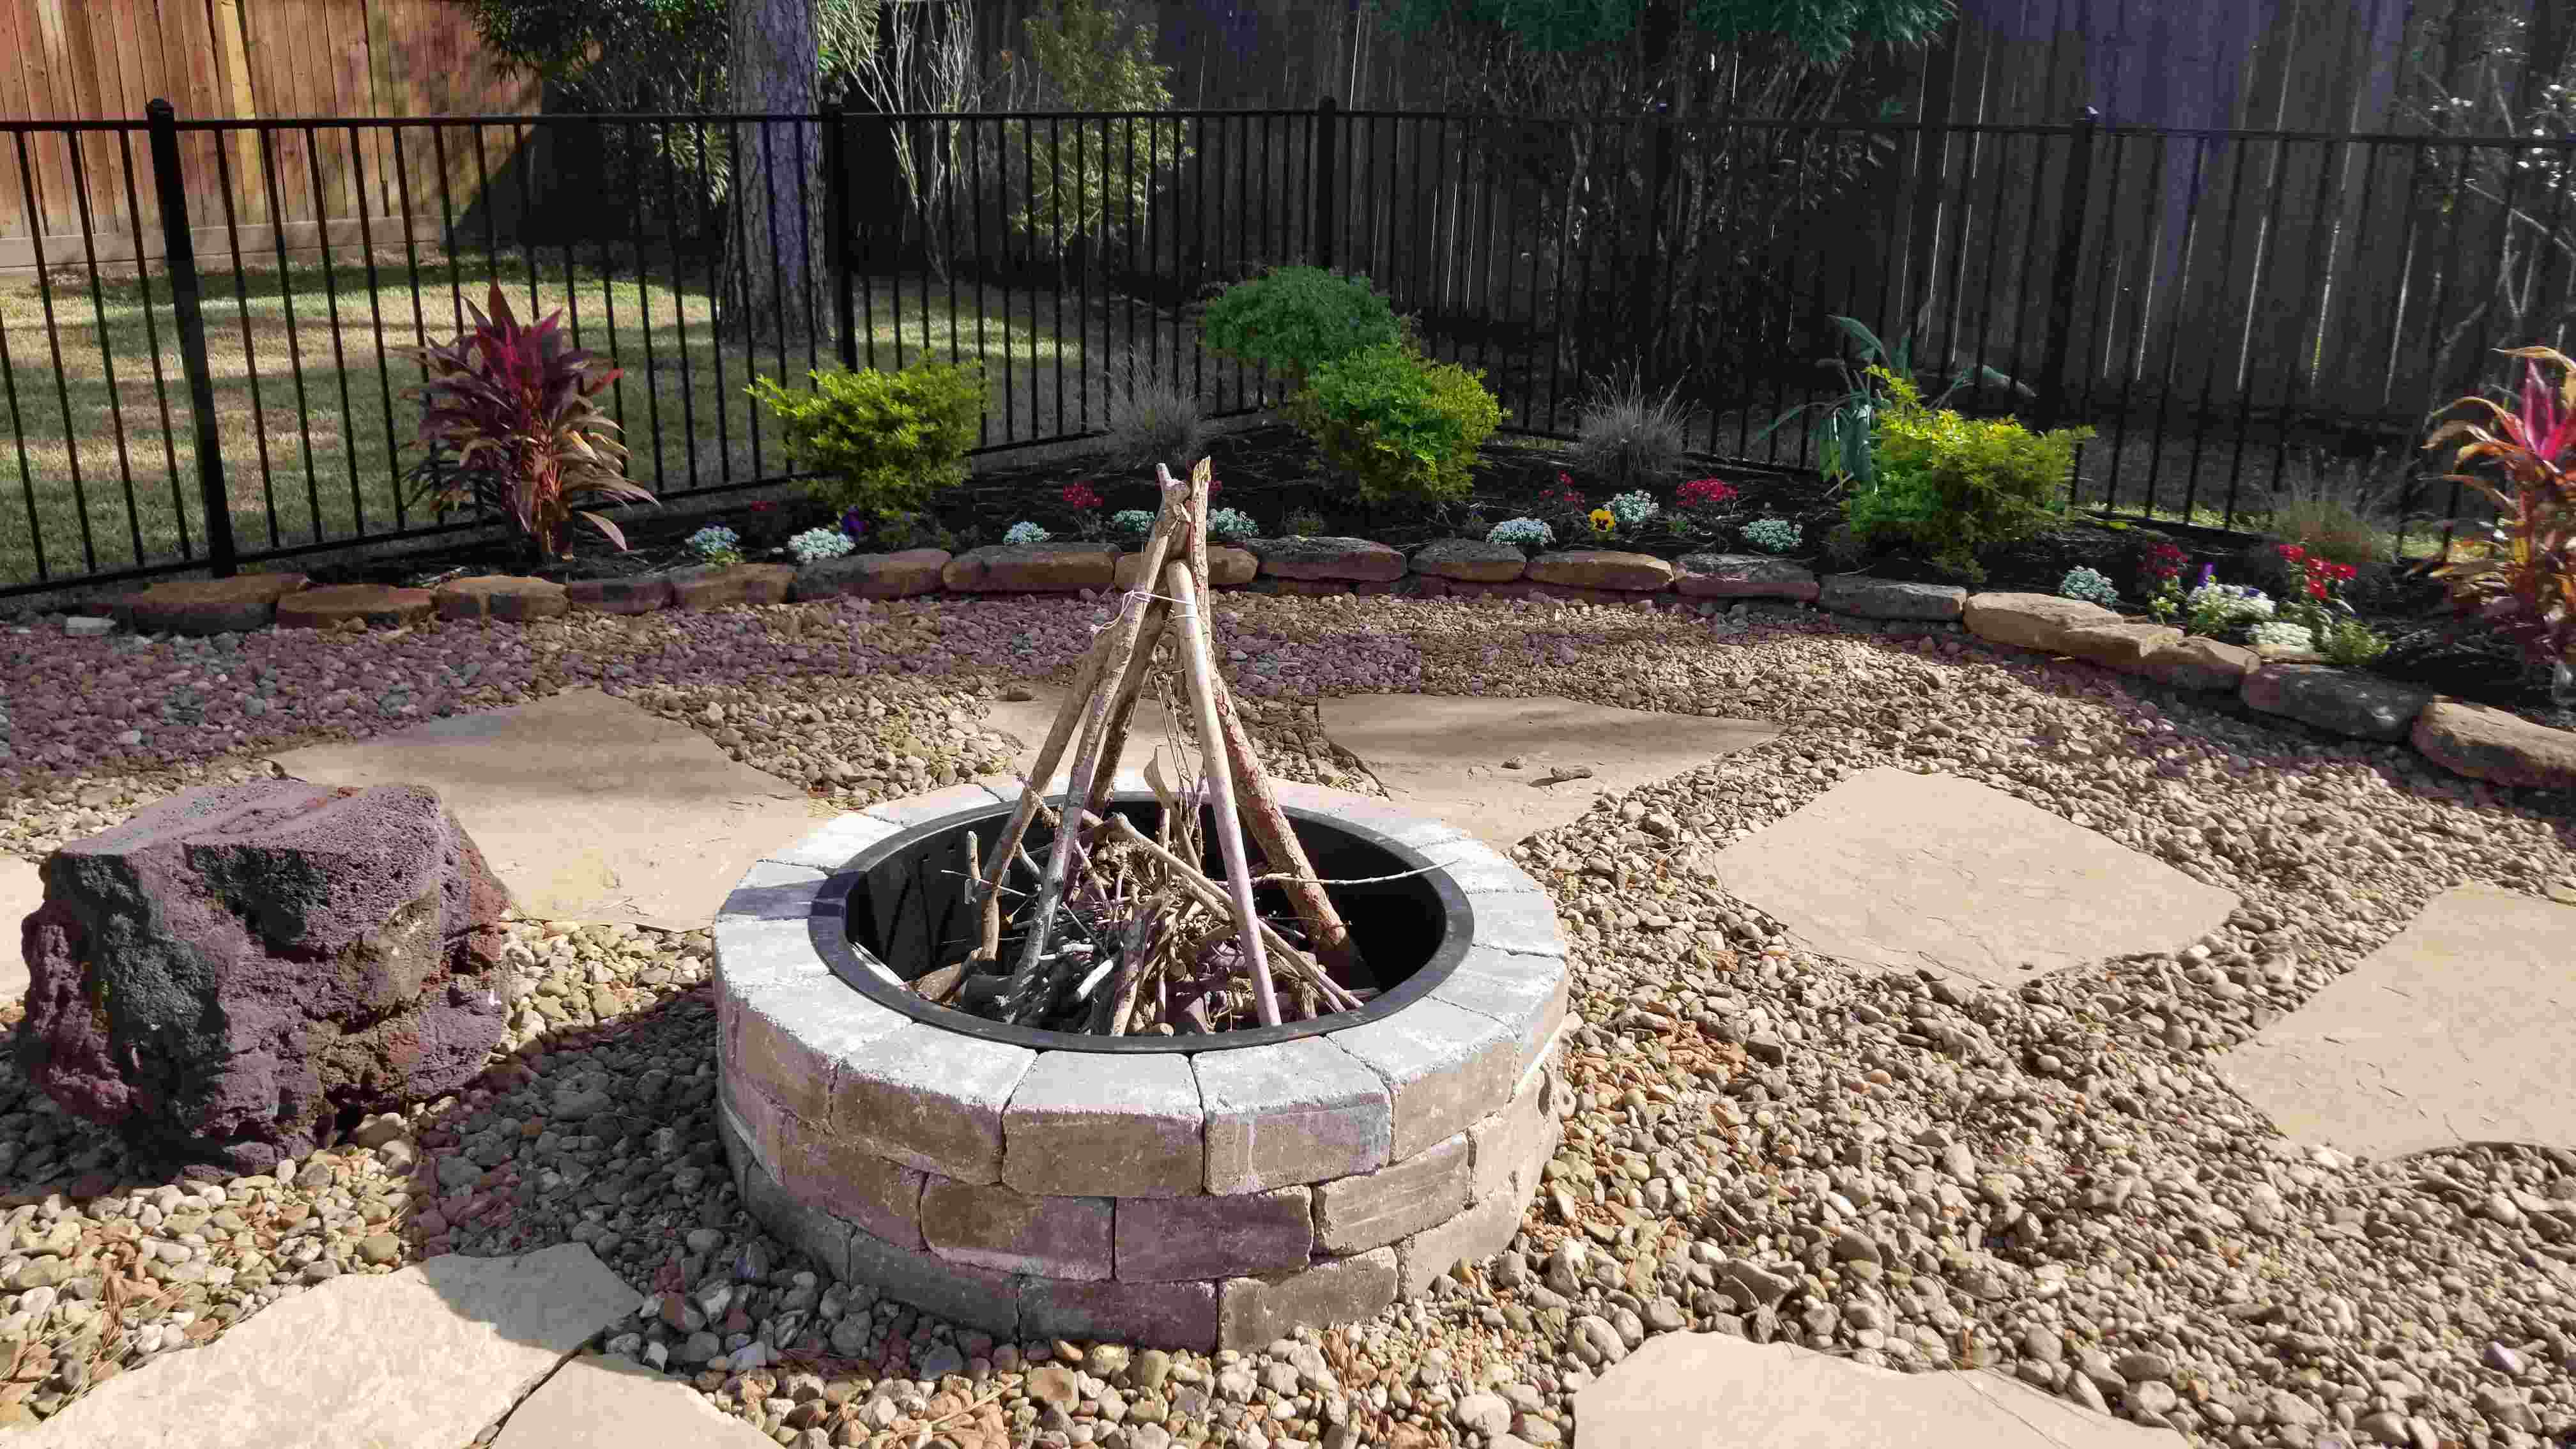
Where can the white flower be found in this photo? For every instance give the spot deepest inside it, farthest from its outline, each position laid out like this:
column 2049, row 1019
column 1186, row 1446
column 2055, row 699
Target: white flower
column 1025, row 532
column 1228, row 524
column 2089, row 584
column 816, row 544
column 2283, row 635
column 1522, row 533
column 1772, row 535
column 1633, row 510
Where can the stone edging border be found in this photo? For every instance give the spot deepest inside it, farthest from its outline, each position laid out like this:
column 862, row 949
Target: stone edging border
column 1217, row 1199
column 2465, row 739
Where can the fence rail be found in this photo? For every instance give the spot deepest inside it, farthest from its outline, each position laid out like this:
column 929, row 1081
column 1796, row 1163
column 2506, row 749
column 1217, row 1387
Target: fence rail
column 210, row 369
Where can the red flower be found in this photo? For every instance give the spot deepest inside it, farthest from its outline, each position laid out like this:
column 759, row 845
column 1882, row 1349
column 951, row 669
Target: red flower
column 1705, row 493
column 1215, row 486
column 2292, row 552
column 1079, row 497
column 762, row 507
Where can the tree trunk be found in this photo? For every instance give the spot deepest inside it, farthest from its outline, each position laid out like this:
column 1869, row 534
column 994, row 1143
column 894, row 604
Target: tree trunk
column 774, row 282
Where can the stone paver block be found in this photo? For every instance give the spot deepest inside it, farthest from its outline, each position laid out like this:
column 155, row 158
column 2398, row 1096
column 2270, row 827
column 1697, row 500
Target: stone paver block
column 1602, row 568
column 876, row 1195
column 1087, row 1123
column 767, row 583
column 931, row 1098
column 1870, row 598
column 706, row 586
column 1526, row 993
column 978, row 1297
column 87, row 626
column 235, row 605
column 1293, row 1112
column 2453, row 1033
column 1373, row 1209
column 1743, row 576
column 379, row 606
column 771, row 891
column 418, row 1359
column 755, row 1123
column 1154, row 1315
column 2491, row 745
column 833, row 845
column 1253, row 1312
column 1444, row 1066
column 639, row 594
column 915, row 810
column 1345, row 560
column 1514, row 1143
column 752, row 952
column 1516, row 924
column 991, row 1226
column 1904, row 871
column 1471, row 560
column 2031, row 621
column 2197, row 663
column 1243, row 1235
column 792, row 1035
column 1443, row 757
column 1228, row 568
column 667, row 822
column 1718, row 1391
column 617, row 1403
column 2338, row 700
column 1472, row 1236
column 512, row 598
column 1031, row 568
column 903, row 574
column 800, row 1225
column 2122, row 646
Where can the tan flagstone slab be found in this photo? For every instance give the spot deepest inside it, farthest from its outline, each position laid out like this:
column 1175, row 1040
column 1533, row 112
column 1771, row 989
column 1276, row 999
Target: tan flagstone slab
column 1715, row 1391
column 22, row 889
column 419, row 1359
column 2457, row 1031
column 1027, row 722
column 616, row 1403
column 1899, row 870
column 588, row 807
column 1444, row 757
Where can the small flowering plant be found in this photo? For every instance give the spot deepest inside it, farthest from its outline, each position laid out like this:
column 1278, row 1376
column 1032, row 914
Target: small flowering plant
column 2283, row 634
column 854, row 522
column 1771, row 535
column 716, row 544
column 1026, row 532
column 1602, row 520
column 1230, row 525
column 2162, row 572
column 1633, row 510
column 1135, row 523
column 1703, row 500
column 2090, row 585
column 1522, row 533
column 1083, row 502
column 2313, row 582
column 816, row 544
column 2215, row 608
column 1564, row 500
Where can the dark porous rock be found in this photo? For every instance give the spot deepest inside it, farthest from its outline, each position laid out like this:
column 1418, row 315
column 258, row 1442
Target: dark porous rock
column 1743, row 576
column 222, row 975
column 2338, row 700
column 1345, row 560
column 1890, row 599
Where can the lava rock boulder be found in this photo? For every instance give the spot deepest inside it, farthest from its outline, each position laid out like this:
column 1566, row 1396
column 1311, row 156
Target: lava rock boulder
column 222, row 976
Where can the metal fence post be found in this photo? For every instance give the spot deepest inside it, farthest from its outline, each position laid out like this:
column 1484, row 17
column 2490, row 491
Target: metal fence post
column 1328, row 182
column 2072, row 207
column 836, row 211
column 179, row 259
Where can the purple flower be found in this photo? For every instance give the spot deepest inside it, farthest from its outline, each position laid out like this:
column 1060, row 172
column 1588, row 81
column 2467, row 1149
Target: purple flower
column 854, row 523
column 2207, row 573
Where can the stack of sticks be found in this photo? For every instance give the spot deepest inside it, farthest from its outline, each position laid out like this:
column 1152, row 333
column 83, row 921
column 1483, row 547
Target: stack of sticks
column 1120, row 932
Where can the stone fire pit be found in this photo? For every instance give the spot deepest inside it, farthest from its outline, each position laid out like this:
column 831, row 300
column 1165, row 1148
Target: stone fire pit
column 1192, row 1192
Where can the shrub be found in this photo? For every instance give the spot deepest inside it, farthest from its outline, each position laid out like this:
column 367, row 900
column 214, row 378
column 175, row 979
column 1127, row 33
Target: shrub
column 1153, row 419
column 2089, row 584
column 1396, row 425
column 716, row 544
column 510, row 429
column 816, row 544
column 2521, row 579
column 2350, row 643
column 2345, row 512
column 1137, row 523
column 1771, row 535
column 1634, row 510
column 1627, row 436
column 1229, row 525
column 1026, row 532
column 1522, row 533
column 1304, row 523
column 1951, row 485
column 883, row 442
column 1295, row 320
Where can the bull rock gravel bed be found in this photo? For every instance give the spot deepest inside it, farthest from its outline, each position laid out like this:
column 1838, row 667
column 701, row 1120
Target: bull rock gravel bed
column 2050, row 1180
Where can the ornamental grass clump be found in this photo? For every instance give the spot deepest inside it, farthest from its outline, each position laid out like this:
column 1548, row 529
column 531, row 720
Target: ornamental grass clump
column 1628, row 436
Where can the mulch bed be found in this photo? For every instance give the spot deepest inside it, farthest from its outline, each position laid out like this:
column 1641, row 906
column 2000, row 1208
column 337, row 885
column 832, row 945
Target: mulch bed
column 1272, row 472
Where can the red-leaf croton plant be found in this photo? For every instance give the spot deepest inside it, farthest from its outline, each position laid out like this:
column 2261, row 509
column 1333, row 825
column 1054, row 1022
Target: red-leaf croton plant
column 509, row 425
column 2521, row 579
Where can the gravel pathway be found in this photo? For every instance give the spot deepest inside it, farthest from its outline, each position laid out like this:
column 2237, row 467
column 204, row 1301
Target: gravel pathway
column 1917, row 1173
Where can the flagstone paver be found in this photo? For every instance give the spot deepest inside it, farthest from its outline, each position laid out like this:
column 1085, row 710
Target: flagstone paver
column 1716, row 1391
column 2455, row 1032
column 1028, row 720
column 22, row 889
column 588, row 807
column 1449, row 758
column 1899, row 870
column 617, row 1403
column 420, row 1359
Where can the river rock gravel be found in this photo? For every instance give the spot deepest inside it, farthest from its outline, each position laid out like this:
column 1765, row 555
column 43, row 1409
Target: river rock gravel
column 2049, row 1181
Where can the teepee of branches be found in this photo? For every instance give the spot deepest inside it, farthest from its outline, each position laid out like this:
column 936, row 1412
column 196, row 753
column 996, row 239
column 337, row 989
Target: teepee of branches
column 1117, row 931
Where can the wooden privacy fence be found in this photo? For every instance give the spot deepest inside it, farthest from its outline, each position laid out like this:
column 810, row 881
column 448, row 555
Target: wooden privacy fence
column 64, row 194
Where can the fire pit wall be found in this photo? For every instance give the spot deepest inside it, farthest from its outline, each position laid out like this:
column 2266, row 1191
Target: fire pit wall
column 1200, row 1200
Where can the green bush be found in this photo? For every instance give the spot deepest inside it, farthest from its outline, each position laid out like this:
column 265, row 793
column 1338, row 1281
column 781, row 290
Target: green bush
column 1293, row 320
column 884, row 442
column 1949, row 485
column 1397, row 425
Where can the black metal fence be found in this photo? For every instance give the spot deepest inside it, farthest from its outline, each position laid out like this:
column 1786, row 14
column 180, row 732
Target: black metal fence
column 2234, row 312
